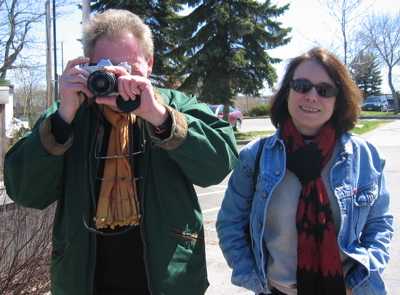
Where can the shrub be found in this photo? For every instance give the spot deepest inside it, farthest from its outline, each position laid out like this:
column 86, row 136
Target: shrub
column 15, row 135
column 25, row 248
column 260, row 110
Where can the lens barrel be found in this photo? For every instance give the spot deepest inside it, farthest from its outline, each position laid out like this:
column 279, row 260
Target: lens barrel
column 102, row 83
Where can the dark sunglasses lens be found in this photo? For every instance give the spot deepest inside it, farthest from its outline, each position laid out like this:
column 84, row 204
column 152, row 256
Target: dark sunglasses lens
column 301, row 86
column 326, row 91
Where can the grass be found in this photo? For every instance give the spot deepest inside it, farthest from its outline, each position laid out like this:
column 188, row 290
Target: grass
column 379, row 114
column 252, row 135
column 362, row 127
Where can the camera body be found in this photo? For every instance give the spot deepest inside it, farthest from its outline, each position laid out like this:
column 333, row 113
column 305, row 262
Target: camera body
column 100, row 82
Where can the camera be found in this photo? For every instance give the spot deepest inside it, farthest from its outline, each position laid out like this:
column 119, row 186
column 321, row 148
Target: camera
column 100, row 82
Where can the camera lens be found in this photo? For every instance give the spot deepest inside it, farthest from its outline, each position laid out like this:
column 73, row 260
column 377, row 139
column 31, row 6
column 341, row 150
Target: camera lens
column 102, row 83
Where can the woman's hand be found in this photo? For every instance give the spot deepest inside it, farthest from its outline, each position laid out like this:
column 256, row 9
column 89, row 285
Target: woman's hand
column 348, row 291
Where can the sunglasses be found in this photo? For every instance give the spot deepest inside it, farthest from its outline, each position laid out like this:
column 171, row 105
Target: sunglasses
column 303, row 86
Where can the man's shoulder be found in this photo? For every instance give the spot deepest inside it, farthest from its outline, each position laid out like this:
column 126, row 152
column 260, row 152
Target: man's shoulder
column 176, row 98
column 171, row 93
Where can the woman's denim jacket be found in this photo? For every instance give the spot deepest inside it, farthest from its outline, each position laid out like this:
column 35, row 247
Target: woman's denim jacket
column 358, row 182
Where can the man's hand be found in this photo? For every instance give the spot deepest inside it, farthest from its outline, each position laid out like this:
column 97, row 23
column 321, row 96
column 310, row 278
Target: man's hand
column 128, row 87
column 72, row 83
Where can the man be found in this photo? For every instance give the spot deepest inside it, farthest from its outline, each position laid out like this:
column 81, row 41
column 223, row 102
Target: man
column 128, row 220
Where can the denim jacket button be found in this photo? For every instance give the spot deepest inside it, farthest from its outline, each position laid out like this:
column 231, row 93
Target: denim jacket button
column 277, row 172
column 260, row 225
column 264, row 194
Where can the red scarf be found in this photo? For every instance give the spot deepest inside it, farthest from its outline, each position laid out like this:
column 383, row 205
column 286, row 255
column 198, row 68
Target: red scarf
column 319, row 269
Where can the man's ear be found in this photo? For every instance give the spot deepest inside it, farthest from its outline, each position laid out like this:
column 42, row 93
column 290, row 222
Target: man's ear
column 150, row 66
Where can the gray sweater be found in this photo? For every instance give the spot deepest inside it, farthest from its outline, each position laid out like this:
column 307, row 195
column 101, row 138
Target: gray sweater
column 280, row 234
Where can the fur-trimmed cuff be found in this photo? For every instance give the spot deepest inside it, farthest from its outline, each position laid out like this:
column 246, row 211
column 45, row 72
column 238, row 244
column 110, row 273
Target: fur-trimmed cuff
column 48, row 141
column 178, row 131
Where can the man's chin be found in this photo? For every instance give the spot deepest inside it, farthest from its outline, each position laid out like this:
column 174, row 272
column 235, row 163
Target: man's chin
column 109, row 101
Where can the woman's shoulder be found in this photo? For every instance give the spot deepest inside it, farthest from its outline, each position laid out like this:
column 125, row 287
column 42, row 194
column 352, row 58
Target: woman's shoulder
column 254, row 146
column 357, row 143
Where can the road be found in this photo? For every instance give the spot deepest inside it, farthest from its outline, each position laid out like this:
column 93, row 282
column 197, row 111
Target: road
column 257, row 125
column 387, row 138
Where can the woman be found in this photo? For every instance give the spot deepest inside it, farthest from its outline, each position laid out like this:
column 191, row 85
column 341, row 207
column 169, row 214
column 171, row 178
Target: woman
column 318, row 221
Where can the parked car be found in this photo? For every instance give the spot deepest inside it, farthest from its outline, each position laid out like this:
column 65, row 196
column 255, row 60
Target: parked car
column 375, row 103
column 235, row 116
column 390, row 104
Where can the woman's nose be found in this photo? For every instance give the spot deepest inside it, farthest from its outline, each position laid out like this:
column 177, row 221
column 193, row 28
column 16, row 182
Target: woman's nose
column 312, row 95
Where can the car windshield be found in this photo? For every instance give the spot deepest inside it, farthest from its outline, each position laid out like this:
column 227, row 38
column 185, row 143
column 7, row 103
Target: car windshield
column 373, row 99
column 213, row 109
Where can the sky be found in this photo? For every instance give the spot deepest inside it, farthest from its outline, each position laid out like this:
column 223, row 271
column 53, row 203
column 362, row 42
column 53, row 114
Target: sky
column 307, row 18
column 311, row 24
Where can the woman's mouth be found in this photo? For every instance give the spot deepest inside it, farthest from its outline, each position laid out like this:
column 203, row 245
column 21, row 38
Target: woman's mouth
column 309, row 109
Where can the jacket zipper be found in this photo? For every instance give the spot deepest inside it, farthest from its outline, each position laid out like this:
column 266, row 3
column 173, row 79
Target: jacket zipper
column 141, row 198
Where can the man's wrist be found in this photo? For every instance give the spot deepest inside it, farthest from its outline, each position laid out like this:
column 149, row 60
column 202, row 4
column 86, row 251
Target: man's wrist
column 164, row 127
column 60, row 129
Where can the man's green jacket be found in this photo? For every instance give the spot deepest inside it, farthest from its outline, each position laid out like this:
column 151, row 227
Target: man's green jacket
column 201, row 151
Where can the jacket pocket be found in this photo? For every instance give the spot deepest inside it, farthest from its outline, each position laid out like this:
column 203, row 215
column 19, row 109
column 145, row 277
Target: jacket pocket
column 186, row 239
column 363, row 200
column 59, row 250
column 366, row 196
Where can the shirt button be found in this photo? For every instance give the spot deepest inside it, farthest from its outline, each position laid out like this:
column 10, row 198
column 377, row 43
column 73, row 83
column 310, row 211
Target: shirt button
column 264, row 194
column 277, row 172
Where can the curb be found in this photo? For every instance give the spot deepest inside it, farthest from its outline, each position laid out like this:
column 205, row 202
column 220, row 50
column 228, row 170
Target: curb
column 379, row 118
column 243, row 142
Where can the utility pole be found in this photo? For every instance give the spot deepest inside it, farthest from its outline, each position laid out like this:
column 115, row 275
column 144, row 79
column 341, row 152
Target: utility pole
column 55, row 52
column 49, row 63
column 85, row 10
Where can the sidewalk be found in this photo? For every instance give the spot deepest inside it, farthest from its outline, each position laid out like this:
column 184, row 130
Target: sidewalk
column 387, row 139
column 219, row 273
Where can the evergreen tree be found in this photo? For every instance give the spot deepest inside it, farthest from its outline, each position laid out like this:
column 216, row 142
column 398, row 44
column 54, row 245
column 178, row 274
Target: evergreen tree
column 157, row 15
column 366, row 73
column 225, row 44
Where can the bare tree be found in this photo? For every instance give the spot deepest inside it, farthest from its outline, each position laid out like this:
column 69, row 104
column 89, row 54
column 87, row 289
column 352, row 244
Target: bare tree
column 16, row 21
column 30, row 96
column 20, row 25
column 381, row 33
column 345, row 13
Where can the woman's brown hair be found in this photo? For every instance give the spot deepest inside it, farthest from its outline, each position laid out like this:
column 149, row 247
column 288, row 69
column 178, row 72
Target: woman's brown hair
column 348, row 99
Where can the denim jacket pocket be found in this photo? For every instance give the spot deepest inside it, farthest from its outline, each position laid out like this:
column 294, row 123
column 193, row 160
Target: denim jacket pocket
column 366, row 195
column 363, row 200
